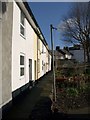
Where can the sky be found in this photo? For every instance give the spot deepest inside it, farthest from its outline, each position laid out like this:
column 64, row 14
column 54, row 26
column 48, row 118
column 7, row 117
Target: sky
column 47, row 13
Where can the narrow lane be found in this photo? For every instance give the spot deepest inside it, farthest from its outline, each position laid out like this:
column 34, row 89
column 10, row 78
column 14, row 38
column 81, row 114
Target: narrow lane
column 26, row 103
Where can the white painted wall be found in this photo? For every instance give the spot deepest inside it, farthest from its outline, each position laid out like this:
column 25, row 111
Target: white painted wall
column 29, row 48
column 46, row 60
column 46, row 57
column 25, row 46
column 21, row 45
column 49, row 62
column 68, row 56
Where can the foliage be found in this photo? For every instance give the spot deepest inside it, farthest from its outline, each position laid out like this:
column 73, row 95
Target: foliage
column 85, row 88
column 88, row 71
column 57, row 73
column 65, row 72
column 73, row 87
column 72, row 92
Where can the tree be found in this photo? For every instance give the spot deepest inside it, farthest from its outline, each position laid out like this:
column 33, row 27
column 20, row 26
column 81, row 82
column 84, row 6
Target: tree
column 76, row 27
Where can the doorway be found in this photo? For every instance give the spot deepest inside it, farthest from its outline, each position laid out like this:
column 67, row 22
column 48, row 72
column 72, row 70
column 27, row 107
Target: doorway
column 30, row 69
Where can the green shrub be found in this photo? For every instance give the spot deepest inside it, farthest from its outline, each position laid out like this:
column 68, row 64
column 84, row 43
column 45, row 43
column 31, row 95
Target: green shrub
column 85, row 88
column 88, row 71
column 72, row 92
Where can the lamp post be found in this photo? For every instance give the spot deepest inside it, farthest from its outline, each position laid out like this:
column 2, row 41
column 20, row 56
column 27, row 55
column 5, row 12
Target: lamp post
column 53, row 67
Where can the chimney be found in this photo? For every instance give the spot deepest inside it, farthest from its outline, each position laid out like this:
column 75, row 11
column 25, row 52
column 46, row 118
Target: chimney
column 57, row 47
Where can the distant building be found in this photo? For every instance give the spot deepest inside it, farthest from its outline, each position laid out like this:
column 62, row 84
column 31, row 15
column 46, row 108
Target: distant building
column 61, row 55
column 72, row 53
column 68, row 54
column 78, row 53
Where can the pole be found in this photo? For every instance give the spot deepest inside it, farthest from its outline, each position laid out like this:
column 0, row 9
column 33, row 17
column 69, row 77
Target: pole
column 51, row 46
column 53, row 68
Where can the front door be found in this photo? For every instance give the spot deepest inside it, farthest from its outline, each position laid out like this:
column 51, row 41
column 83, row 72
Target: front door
column 30, row 69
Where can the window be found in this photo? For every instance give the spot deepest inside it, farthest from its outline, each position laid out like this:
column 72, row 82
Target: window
column 22, row 24
column 38, row 65
column 42, row 64
column 49, row 59
column 42, row 48
column 38, row 44
column 46, row 53
column 22, row 65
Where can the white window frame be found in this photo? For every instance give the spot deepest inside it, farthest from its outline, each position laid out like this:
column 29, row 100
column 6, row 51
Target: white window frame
column 21, row 25
column 22, row 66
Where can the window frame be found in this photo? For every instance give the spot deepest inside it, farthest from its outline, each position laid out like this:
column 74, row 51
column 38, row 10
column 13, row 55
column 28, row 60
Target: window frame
column 22, row 25
column 22, row 66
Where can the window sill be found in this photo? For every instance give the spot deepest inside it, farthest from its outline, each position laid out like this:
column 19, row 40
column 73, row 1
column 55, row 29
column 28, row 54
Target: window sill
column 22, row 36
column 21, row 77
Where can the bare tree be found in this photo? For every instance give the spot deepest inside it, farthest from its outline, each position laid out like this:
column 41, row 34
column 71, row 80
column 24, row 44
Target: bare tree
column 76, row 27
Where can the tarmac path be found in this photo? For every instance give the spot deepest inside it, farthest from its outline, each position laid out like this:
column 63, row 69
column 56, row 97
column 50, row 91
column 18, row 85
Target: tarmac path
column 26, row 103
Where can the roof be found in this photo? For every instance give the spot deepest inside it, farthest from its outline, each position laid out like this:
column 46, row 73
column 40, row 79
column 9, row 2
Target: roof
column 62, row 52
column 67, row 52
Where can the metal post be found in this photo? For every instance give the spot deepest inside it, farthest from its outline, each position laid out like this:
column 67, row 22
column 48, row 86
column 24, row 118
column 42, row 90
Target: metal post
column 0, row 58
column 51, row 47
column 53, row 68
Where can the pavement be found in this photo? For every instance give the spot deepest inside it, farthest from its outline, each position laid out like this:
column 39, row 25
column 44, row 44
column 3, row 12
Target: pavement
column 23, row 106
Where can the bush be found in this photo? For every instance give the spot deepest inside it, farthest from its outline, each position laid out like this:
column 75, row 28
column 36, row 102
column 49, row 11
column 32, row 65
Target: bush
column 72, row 92
column 88, row 71
column 61, row 82
column 85, row 88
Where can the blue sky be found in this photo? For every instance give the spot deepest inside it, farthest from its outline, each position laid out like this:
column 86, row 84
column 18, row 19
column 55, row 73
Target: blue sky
column 47, row 13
